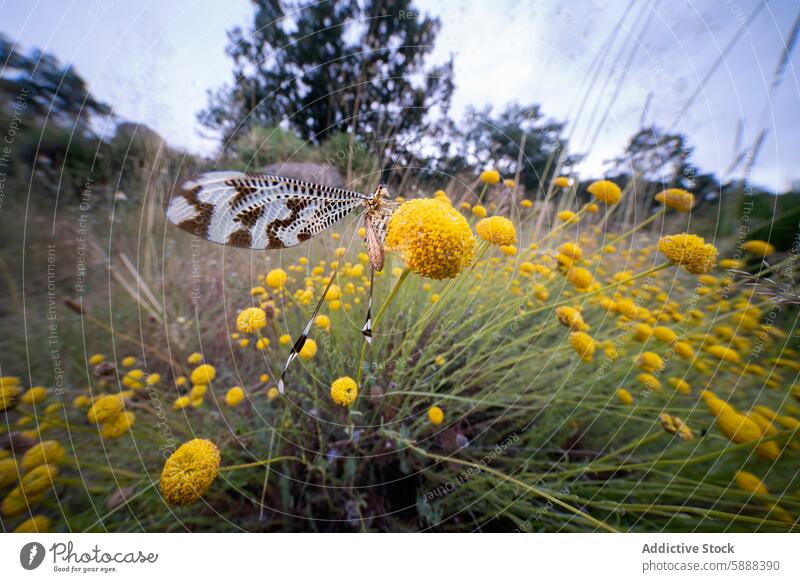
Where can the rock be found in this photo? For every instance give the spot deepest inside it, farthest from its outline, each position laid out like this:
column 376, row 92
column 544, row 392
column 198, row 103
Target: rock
column 318, row 173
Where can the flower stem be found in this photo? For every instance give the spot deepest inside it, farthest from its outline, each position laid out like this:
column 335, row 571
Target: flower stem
column 258, row 463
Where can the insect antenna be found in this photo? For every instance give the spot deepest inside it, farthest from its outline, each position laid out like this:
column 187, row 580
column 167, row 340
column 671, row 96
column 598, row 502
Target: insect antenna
column 301, row 340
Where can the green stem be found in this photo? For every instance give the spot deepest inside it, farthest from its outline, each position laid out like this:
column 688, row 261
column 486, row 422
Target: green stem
column 258, row 463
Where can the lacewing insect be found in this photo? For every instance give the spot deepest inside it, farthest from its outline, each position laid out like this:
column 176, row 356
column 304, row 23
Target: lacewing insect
column 259, row 211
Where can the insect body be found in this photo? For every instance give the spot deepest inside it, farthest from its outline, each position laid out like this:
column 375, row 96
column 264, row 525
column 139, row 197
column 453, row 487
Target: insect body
column 259, row 211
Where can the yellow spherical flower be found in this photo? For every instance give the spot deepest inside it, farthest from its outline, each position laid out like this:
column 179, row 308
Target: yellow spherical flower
column 497, row 230
column 81, row 401
column 510, row 183
column 344, row 391
column 581, row 278
column 651, row 362
column 490, row 177
column 567, row 216
column 8, row 395
column 309, row 349
column 642, row 332
column 38, row 480
column 716, row 405
column 479, row 211
column 105, row 408
column 36, row 524
column 273, row 393
column 540, row 292
column 436, row 415
column 9, row 472
column 128, row 361
column 323, row 322
column 561, row 182
column 664, row 334
column 759, row 248
column 16, row 502
column 262, row 344
column 750, row 483
column 508, row 250
column 43, row 453
column 737, row 427
column 276, row 278
column 181, row 403
column 684, row 350
column 676, row 198
column 625, row 397
column 203, row 374
column 571, row 250
column 571, row 318
column 198, row 391
column 189, row 472
column 251, row 320
column 731, row 264
column 234, row 396
column 592, row 208
column 194, row 358
column 605, row 191
column 153, row 379
column 583, row 344
column 118, row 426
column 525, row 203
column 96, row 359
column 680, row 385
column 285, row 339
column 690, row 251
column 432, row 238
column 724, row 353
column 34, row 395
column 649, row 381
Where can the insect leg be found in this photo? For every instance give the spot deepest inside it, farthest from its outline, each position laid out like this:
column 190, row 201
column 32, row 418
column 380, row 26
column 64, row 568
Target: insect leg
column 367, row 329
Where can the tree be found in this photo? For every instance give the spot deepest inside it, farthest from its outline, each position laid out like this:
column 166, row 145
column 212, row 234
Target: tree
column 485, row 139
column 347, row 66
column 47, row 87
column 663, row 159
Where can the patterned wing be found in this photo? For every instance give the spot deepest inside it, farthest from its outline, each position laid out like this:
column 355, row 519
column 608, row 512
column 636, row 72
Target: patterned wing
column 257, row 211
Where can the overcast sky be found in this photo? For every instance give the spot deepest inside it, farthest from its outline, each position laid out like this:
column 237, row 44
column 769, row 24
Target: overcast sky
column 153, row 62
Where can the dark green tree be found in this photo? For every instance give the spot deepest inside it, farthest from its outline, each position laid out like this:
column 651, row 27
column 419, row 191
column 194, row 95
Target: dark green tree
column 345, row 66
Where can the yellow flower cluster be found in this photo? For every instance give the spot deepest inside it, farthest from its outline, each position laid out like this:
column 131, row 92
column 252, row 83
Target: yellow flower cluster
column 690, row 251
column 497, row 230
column 583, row 344
column 344, row 391
column 251, row 320
column 189, row 472
column 605, row 191
column 432, row 238
column 571, row 318
column 759, row 248
column 490, row 177
column 676, row 198
column 10, row 389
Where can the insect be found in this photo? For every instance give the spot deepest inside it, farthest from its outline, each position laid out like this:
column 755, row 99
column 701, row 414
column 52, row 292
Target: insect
column 259, row 211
